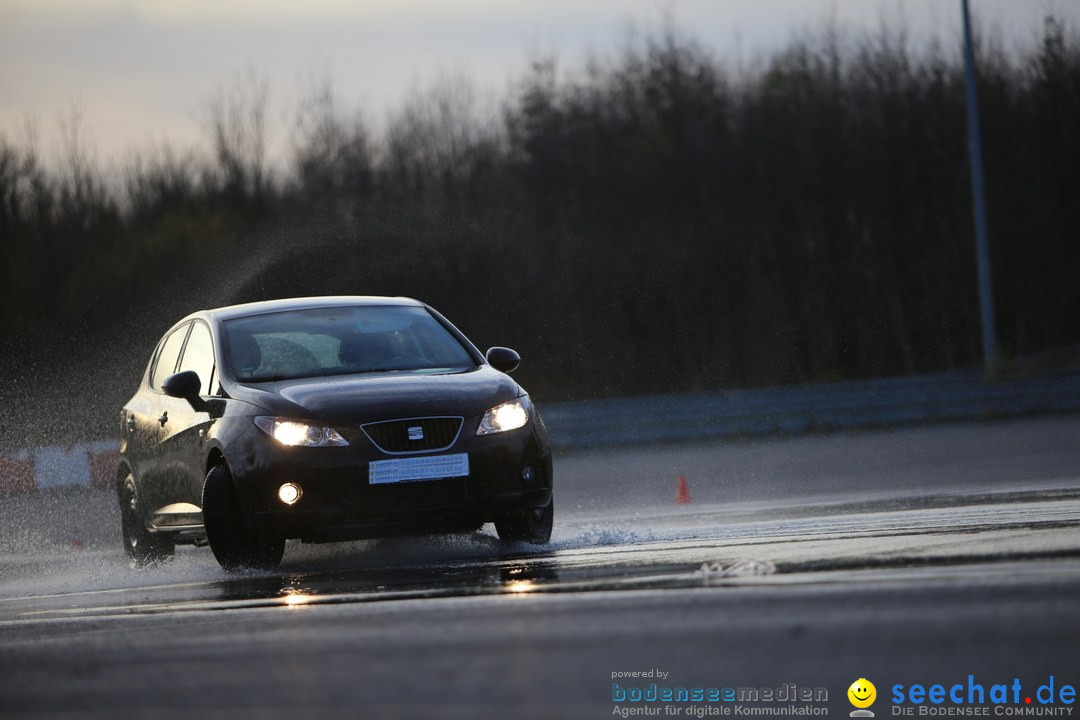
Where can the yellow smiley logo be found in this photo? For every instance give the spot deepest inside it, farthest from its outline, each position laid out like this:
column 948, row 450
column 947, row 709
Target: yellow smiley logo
column 862, row 693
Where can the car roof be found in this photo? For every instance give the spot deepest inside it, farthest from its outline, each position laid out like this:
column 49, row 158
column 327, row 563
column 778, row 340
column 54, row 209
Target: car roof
column 305, row 303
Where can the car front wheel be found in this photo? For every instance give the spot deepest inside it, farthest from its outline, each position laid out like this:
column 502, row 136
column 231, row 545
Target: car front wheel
column 532, row 526
column 233, row 544
column 142, row 546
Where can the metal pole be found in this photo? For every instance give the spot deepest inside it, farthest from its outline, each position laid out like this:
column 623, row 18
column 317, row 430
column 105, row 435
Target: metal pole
column 978, row 193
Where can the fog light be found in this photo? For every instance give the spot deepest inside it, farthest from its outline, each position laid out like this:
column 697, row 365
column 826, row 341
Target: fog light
column 289, row 493
column 528, row 474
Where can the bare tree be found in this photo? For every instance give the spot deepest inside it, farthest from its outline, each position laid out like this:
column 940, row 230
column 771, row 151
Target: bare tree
column 437, row 133
column 332, row 154
column 76, row 155
column 236, row 119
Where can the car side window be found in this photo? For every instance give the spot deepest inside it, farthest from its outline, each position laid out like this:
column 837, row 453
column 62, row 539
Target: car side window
column 199, row 356
column 170, row 352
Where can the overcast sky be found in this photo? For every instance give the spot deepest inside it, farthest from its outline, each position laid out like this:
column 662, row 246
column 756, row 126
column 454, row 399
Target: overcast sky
column 141, row 72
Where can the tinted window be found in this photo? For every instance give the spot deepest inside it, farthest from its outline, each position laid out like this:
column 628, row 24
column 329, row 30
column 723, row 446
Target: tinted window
column 341, row 340
column 199, row 355
column 170, row 351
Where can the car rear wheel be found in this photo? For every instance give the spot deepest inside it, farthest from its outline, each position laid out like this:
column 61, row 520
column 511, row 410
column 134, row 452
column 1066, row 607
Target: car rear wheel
column 142, row 546
column 233, row 544
column 531, row 526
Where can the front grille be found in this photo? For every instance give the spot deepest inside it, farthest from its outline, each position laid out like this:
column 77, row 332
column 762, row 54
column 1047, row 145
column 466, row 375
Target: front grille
column 400, row 437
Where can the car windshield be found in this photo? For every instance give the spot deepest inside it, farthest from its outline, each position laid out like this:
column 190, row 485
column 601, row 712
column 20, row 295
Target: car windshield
column 340, row 340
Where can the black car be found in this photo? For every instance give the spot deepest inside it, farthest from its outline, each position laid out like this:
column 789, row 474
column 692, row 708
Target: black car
column 326, row 419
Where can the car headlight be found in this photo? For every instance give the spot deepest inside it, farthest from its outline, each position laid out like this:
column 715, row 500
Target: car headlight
column 508, row 416
column 295, row 433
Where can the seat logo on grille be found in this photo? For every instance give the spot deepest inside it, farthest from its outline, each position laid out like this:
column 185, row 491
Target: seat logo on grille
column 416, row 433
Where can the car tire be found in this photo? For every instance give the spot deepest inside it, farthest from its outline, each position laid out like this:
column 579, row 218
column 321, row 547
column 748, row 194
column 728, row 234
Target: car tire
column 143, row 547
column 234, row 545
column 532, row 526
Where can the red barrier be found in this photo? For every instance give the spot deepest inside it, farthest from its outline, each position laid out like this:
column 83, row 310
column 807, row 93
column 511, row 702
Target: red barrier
column 103, row 468
column 16, row 476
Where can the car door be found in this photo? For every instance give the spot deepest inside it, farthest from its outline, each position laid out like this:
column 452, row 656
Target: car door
column 184, row 432
column 138, row 432
column 150, row 417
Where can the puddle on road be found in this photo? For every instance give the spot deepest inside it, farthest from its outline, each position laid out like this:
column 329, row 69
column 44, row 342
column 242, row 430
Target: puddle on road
column 937, row 535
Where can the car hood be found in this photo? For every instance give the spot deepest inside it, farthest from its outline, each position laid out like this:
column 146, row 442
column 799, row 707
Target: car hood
column 383, row 396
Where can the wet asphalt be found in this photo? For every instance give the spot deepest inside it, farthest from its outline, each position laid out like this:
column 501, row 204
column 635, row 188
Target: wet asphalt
column 922, row 555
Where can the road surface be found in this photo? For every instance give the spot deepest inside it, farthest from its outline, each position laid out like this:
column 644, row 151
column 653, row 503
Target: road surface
column 916, row 556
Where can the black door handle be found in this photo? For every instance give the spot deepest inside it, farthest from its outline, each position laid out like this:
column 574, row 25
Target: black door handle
column 164, row 418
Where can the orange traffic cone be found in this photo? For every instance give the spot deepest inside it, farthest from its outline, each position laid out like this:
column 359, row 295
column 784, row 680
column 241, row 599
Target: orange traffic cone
column 682, row 497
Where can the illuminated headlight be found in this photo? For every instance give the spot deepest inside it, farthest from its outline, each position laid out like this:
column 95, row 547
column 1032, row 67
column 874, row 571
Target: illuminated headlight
column 508, row 416
column 294, row 433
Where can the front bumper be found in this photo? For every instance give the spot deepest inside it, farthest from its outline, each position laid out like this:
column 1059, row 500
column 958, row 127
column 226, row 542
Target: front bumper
column 339, row 503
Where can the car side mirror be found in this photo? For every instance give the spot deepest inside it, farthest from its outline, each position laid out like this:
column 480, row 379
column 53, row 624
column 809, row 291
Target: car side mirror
column 503, row 359
column 185, row 385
